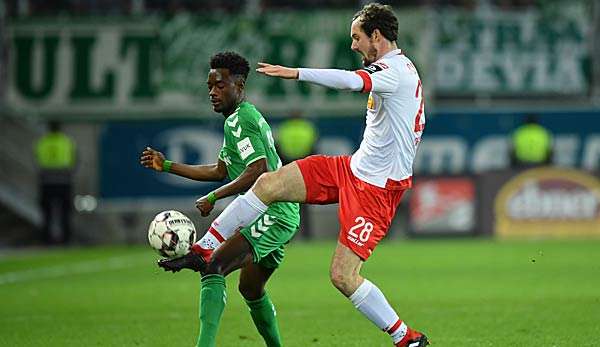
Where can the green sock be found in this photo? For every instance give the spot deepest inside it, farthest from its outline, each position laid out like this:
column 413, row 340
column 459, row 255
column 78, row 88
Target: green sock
column 263, row 314
column 212, row 304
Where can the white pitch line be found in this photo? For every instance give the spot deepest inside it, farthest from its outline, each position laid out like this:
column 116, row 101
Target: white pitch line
column 47, row 272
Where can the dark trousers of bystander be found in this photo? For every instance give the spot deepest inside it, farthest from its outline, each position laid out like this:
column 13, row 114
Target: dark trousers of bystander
column 55, row 202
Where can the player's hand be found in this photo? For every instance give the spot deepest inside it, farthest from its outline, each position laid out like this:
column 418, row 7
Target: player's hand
column 204, row 206
column 152, row 159
column 277, row 71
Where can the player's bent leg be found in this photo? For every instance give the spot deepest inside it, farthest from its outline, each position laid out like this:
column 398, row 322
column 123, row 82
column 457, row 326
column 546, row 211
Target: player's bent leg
column 232, row 255
column 253, row 278
column 285, row 184
column 267, row 237
column 368, row 298
column 213, row 298
column 345, row 270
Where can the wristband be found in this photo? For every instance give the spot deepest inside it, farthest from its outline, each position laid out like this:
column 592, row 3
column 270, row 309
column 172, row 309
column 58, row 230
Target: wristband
column 211, row 197
column 167, row 165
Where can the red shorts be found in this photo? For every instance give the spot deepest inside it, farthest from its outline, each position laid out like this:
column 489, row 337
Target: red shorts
column 365, row 211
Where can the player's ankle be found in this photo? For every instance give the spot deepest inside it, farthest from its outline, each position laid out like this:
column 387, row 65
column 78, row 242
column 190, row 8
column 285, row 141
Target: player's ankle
column 409, row 335
column 205, row 253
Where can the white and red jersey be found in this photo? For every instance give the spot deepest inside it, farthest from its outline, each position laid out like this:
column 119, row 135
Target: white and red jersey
column 395, row 117
column 394, row 123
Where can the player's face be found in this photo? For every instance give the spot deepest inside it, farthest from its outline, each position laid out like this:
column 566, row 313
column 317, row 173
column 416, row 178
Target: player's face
column 223, row 91
column 362, row 44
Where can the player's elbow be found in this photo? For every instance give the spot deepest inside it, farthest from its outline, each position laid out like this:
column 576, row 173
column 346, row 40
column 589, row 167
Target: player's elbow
column 216, row 173
column 258, row 171
column 255, row 170
column 221, row 175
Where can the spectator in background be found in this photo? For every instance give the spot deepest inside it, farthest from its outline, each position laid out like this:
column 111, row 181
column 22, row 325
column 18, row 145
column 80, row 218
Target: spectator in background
column 296, row 139
column 55, row 154
column 531, row 144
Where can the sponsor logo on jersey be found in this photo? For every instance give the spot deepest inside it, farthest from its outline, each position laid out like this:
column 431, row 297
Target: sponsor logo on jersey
column 245, row 148
column 371, row 69
column 355, row 240
column 371, row 103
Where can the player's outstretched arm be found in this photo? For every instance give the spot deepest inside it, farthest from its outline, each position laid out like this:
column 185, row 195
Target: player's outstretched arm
column 277, row 71
column 155, row 160
column 330, row 78
column 239, row 185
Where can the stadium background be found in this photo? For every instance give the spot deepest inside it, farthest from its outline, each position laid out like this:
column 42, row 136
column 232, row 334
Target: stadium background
column 121, row 75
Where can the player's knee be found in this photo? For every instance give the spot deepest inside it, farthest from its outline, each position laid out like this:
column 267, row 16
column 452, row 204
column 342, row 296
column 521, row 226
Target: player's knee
column 344, row 279
column 340, row 279
column 250, row 291
column 268, row 187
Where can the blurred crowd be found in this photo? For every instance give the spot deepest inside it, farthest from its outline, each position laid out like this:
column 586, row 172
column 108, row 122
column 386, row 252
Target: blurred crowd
column 19, row 8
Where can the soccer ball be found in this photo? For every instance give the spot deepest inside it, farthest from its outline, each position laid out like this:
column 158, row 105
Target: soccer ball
column 171, row 234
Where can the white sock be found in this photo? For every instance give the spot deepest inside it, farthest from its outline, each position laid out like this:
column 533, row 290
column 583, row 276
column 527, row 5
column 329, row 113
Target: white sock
column 210, row 240
column 240, row 213
column 369, row 300
column 246, row 208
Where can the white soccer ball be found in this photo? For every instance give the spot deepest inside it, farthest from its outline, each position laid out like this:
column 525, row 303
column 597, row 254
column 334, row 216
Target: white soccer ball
column 171, row 234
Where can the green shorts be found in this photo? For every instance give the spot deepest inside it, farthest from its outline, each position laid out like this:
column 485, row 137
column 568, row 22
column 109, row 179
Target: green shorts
column 268, row 236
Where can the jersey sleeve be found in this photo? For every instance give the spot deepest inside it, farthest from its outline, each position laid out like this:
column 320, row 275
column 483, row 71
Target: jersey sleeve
column 247, row 138
column 222, row 154
column 379, row 77
column 331, row 78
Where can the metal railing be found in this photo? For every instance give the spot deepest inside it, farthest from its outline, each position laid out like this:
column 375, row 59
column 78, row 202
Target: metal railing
column 18, row 175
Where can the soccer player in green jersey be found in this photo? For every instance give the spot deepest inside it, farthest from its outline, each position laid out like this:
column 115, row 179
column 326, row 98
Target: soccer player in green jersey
column 248, row 151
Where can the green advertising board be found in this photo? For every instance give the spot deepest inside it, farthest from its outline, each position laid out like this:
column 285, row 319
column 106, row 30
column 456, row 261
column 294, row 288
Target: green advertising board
column 514, row 53
column 156, row 67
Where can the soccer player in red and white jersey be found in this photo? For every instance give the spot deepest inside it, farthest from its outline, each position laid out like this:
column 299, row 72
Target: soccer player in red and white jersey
column 367, row 185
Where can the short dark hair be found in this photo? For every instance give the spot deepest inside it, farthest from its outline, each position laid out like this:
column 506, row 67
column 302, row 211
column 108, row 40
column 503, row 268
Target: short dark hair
column 235, row 63
column 377, row 16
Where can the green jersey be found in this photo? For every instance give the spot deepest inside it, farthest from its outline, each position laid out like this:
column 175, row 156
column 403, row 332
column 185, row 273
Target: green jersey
column 248, row 138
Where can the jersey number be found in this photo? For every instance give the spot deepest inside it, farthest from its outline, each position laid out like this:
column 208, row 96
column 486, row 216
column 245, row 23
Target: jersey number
column 272, row 145
column 418, row 125
column 365, row 233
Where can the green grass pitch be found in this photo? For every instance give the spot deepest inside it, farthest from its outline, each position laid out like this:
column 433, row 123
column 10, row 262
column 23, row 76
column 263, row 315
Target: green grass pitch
column 460, row 292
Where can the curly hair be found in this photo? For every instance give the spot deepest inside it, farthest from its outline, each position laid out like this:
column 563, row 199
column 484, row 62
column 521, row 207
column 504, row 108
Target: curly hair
column 377, row 16
column 235, row 63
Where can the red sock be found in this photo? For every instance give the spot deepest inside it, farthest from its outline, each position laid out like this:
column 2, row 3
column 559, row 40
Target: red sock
column 203, row 252
column 410, row 334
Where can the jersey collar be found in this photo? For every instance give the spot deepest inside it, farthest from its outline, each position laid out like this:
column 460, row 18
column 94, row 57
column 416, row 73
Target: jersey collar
column 396, row 51
column 242, row 104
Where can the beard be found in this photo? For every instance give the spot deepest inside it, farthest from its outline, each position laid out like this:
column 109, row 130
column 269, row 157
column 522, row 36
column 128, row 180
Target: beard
column 370, row 57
